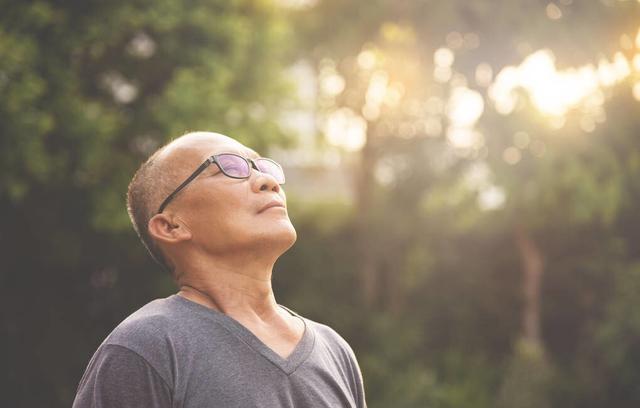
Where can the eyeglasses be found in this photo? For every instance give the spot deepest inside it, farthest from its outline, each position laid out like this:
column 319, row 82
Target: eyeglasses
column 234, row 166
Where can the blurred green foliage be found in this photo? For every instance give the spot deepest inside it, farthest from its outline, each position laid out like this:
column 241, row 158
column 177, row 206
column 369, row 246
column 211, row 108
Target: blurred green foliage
column 89, row 88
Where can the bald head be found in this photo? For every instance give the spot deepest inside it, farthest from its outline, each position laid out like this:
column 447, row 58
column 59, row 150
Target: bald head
column 162, row 173
column 194, row 142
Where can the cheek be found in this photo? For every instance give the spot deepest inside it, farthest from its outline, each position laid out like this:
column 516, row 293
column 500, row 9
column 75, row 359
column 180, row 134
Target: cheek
column 219, row 215
column 219, row 200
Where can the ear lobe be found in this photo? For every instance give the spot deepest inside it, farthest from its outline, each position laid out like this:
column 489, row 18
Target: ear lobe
column 164, row 228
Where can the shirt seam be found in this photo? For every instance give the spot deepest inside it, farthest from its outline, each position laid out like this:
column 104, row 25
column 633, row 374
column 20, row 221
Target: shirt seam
column 147, row 363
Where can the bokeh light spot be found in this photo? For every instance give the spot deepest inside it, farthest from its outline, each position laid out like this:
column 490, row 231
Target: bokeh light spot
column 511, row 155
column 442, row 74
column 346, row 129
column 484, row 75
column 491, row 198
column 636, row 91
column 366, row 59
column 636, row 62
column 553, row 11
column 332, row 84
column 377, row 89
column 465, row 107
column 464, row 138
column 443, row 57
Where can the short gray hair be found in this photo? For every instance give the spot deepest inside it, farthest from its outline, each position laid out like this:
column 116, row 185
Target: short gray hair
column 149, row 185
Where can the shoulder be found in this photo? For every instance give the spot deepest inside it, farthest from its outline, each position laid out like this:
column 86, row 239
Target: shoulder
column 153, row 333
column 333, row 341
column 329, row 339
column 147, row 326
column 328, row 334
column 336, row 348
column 117, row 376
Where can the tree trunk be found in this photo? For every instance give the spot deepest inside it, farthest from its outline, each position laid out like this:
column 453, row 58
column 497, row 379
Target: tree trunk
column 527, row 380
column 533, row 266
column 366, row 263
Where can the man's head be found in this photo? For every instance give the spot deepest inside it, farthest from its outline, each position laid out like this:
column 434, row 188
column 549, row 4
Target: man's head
column 214, row 215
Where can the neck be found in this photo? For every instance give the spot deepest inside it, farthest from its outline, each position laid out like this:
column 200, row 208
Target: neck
column 239, row 289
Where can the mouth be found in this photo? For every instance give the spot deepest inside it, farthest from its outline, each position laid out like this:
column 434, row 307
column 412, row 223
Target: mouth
column 272, row 204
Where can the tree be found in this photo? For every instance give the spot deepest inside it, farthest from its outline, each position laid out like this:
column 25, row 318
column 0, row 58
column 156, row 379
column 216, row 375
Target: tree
column 87, row 90
column 552, row 180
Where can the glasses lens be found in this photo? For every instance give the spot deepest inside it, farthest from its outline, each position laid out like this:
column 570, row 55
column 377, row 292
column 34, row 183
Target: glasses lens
column 233, row 166
column 272, row 168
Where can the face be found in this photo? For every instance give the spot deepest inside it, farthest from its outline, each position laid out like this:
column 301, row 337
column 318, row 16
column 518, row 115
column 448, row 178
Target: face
column 226, row 215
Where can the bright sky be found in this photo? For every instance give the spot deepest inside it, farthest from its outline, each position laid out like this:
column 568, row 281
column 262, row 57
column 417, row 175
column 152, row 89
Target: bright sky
column 552, row 92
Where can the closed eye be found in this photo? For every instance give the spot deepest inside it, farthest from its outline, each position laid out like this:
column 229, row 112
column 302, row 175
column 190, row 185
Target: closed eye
column 212, row 171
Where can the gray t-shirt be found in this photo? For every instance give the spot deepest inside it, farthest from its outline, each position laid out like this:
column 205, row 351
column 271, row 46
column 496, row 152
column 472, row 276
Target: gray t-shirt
column 177, row 353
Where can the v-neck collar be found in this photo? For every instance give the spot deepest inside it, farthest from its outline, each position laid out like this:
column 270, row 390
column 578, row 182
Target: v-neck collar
column 287, row 365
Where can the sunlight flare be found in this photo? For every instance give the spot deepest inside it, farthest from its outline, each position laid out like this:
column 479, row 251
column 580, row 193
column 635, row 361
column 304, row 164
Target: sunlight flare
column 551, row 91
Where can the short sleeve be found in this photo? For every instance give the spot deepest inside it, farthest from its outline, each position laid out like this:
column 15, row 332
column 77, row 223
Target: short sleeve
column 119, row 377
column 356, row 378
column 349, row 363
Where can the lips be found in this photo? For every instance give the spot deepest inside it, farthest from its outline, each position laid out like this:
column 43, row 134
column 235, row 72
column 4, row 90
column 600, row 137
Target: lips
column 271, row 204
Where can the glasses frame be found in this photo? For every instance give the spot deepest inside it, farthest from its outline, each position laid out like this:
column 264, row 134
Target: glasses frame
column 214, row 160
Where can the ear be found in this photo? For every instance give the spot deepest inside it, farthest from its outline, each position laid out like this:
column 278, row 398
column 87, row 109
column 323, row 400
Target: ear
column 168, row 229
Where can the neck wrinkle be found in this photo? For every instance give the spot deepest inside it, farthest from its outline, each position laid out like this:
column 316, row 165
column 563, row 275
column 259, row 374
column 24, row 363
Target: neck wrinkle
column 238, row 285
column 239, row 296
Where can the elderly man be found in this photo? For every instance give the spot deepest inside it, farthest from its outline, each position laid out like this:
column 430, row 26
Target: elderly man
column 222, row 340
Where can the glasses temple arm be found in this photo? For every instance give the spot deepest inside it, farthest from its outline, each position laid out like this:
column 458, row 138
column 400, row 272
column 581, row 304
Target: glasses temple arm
column 184, row 183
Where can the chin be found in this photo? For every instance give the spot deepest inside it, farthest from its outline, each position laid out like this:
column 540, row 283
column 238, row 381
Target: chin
column 293, row 236
column 287, row 235
column 279, row 238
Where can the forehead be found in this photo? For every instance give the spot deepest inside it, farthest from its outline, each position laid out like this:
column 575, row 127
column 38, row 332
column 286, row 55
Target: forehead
column 226, row 146
column 199, row 146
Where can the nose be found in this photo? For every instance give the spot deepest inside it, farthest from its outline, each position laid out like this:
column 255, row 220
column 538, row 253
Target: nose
column 264, row 182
